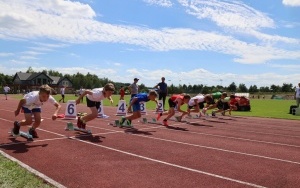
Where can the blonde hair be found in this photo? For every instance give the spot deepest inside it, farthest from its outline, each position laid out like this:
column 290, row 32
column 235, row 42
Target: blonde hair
column 153, row 92
column 109, row 87
column 45, row 89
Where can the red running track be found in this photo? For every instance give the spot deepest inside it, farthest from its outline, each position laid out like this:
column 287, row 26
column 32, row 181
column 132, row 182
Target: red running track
column 225, row 152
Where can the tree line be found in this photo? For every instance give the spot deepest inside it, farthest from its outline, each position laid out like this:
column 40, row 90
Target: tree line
column 93, row 81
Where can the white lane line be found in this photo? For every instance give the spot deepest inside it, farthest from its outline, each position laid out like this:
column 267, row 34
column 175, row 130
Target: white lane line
column 35, row 172
column 162, row 139
column 219, row 149
column 245, row 139
column 173, row 165
column 257, row 132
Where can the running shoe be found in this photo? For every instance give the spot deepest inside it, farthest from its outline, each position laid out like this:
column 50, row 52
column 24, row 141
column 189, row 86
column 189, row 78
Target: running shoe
column 165, row 122
column 158, row 116
column 33, row 133
column 78, row 122
column 83, row 125
column 16, row 129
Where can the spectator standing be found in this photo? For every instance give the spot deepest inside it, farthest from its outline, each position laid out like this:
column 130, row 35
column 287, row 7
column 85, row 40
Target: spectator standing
column 133, row 89
column 81, row 90
column 6, row 90
column 62, row 92
column 297, row 95
column 162, row 90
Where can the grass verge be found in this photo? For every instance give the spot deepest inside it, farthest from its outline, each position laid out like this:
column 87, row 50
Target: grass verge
column 13, row 175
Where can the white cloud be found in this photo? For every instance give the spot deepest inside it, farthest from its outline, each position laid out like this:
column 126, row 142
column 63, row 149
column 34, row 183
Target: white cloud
column 235, row 17
column 224, row 13
column 291, row 2
column 33, row 53
column 6, row 54
column 28, row 58
column 72, row 22
column 163, row 3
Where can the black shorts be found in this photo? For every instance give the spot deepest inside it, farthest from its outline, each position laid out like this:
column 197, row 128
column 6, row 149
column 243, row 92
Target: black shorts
column 63, row 96
column 90, row 103
column 222, row 105
column 201, row 105
column 172, row 104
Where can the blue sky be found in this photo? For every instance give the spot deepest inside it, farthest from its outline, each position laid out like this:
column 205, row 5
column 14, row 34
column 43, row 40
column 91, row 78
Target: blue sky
column 210, row 42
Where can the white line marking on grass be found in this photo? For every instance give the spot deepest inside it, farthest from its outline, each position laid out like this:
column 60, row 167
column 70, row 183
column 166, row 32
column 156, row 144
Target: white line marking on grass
column 174, row 165
column 35, row 172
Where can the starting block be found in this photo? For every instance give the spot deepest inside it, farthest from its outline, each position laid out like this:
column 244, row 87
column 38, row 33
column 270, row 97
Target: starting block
column 22, row 134
column 71, row 127
column 210, row 116
column 193, row 117
column 117, row 123
column 153, row 121
column 176, row 119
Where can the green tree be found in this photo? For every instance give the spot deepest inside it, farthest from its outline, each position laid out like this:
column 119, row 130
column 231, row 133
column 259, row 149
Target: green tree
column 253, row 89
column 242, row 88
column 30, row 70
column 232, row 87
column 275, row 88
column 287, row 87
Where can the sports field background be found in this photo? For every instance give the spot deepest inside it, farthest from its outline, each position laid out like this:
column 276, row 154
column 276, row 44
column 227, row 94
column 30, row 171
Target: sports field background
column 269, row 108
column 10, row 171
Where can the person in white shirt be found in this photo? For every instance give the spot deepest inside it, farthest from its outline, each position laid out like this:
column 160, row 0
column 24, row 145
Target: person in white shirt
column 31, row 104
column 62, row 92
column 197, row 103
column 6, row 90
column 297, row 95
column 93, row 100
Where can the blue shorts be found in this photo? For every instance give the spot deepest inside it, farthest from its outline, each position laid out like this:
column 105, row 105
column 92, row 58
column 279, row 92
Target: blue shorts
column 136, row 106
column 27, row 111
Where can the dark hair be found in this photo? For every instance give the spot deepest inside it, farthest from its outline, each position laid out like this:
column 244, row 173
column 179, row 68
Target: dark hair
column 224, row 94
column 186, row 96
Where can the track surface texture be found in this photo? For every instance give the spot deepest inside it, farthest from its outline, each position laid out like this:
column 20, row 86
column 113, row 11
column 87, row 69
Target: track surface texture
column 226, row 151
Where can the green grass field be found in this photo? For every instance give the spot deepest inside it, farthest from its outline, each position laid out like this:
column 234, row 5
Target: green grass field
column 9, row 171
column 12, row 175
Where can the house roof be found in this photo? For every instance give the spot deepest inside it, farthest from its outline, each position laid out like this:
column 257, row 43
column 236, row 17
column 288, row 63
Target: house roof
column 56, row 79
column 22, row 75
column 30, row 76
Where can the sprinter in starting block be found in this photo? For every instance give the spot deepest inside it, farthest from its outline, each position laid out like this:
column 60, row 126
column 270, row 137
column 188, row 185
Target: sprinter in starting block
column 135, row 104
column 71, row 127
